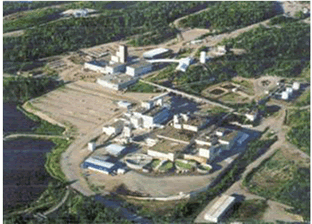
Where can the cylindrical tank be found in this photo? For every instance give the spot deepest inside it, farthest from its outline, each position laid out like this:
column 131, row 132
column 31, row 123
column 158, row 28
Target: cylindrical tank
column 203, row 57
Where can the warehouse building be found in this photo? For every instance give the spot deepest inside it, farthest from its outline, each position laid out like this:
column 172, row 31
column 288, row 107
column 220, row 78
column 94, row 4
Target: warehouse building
column 116, row 82
column 139, row 68
column 99, row 165
column 157, row 53
column 114, row 129
column 97, row 66
column 115, row 68
column 219, row 208
column 115, row 150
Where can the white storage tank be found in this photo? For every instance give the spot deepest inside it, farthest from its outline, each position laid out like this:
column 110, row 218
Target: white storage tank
column 285, row 95
column 91, row 146
column 289, row 90
column 296, row 86
column 203, row 57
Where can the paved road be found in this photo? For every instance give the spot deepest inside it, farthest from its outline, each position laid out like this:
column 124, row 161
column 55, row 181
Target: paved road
column 12, row 136
column 196, row 98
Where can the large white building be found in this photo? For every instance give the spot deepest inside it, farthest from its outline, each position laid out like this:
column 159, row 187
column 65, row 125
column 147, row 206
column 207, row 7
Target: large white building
column 157, row 53
column 114, row 129
column 116, row 82
column 151, row 113
column 115, row 68
column 97, row 66
column 189, row 122
column 139, row 68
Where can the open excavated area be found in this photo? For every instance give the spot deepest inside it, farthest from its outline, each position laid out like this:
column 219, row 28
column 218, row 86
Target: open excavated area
column 84, row 105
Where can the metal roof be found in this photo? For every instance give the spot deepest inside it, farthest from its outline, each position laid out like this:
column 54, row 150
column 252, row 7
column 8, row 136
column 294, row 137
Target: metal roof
column 114, row 149
column 219, row 207
column 154, row 52
column 99, row 162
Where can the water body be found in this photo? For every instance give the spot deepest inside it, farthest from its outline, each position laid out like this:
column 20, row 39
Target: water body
column 24, row 175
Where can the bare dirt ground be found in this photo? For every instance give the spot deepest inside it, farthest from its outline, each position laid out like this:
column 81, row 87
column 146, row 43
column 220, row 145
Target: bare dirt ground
column 157, row 186
column 84, row 104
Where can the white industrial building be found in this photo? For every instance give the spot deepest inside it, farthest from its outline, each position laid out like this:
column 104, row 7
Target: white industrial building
column 114, row 129
column 289, row 90
column 157, row 53
column 117, row 82
column 99, row 165
column 296, row 86
column 219, row 208
column 91, row 146
column 189, row 122
column 115, row 68
column 124, row 104
column 115, row 150
column 121, row 55
column 139, row 68
column 184, row 64
column 210, row 153
column 285, row 95
column 97, row 66
column 151, row 113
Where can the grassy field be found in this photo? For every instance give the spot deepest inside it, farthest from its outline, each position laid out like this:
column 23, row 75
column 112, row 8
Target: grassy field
column 183, row 165
column 249, row 210
column 233, row 97
column 285, row 177
column 155, row 163
column 166, row 166
column 299, row 125
column 142, row 88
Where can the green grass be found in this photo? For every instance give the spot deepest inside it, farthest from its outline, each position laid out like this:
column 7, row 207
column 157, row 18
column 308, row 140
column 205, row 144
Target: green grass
column 32, row 18
column 183, row 165
column 142, row 88
column 249, row 210
column 52, row 164
column 299, row 134
column 155, row 163
column 166, row 166
column 204, row 167
column 282, row 179
column 304, row 99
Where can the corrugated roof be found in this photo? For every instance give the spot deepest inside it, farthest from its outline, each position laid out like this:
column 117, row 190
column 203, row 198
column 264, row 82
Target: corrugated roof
column 99, row 162
column 114, row 149
column 219, row 207
column 154, row 52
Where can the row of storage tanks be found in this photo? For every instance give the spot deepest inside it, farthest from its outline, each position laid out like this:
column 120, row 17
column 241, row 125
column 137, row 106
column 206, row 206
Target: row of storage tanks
column 289, row 90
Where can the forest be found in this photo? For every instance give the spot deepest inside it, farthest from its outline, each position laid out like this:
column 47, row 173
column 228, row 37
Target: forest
column 21, row 89
column 299, row 134
column 75, row 33
column 227, row 16
column 10, row 7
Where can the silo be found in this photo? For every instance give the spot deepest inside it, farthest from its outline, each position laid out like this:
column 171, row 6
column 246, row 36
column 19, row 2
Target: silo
column 285, row 95
column 203, row 57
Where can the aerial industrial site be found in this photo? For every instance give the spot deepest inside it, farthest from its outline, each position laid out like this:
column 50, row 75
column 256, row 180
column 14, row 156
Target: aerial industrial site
column 190, row 127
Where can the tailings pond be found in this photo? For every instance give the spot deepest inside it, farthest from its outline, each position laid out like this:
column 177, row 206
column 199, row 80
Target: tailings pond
column 24, row 175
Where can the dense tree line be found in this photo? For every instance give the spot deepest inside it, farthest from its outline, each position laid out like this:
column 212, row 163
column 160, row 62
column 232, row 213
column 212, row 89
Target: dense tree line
column 21, row 89
column 72, row 34
column 17, row 6
column 225, row 16
column 77, row 209
column 300, row 131
column 30, row 19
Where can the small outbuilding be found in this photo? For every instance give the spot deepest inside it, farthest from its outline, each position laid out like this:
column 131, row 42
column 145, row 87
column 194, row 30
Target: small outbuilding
column 99, row 165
